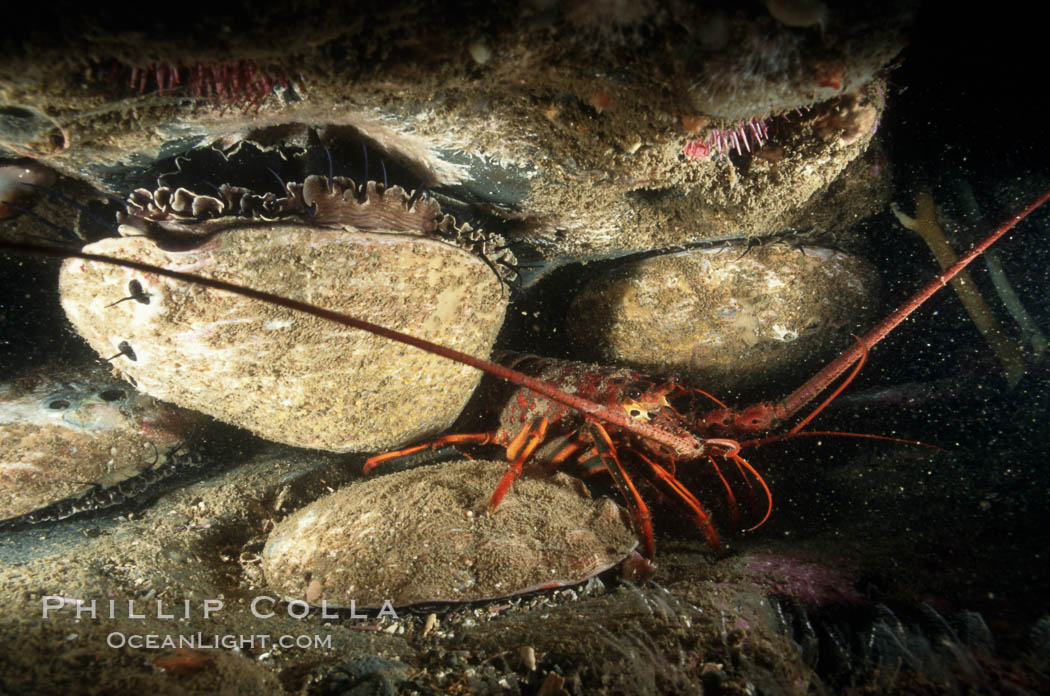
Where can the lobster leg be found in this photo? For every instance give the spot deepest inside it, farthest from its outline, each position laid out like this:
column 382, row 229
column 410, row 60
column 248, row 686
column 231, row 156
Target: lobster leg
column 685, row 500
column 732, row 454
column 564, row 453
column 734, row 509
column 607, row 452
column 523, row 445
column 473, row 438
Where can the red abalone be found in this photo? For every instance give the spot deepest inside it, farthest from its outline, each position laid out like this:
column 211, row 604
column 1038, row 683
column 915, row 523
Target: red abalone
column 422, row 535
column 369, row 252
column 723, row 316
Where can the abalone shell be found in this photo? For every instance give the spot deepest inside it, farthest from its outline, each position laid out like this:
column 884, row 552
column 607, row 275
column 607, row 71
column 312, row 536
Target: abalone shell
column 727, row 317
column 423, row 535
column 283, row 375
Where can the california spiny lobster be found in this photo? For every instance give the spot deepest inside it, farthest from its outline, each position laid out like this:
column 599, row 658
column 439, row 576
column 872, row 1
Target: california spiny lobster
column 608, row 412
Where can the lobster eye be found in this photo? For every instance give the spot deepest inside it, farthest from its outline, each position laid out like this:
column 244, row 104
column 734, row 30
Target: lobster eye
column 634, row 393
column 639, row 414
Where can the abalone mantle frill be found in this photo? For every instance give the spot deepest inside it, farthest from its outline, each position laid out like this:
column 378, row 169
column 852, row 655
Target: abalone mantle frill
column 283, row 375
column 77, row 438
column 318, row 202
column 362, row 543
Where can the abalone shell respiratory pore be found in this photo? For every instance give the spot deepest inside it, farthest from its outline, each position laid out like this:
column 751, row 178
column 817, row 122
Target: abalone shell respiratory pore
column 284, row 376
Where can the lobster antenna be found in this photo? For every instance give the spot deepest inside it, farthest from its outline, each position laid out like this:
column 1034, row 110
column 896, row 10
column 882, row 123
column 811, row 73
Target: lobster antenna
column 69, row 201
column 686, row 446
column 364, row 151
column 820, row 381
column 284, row 186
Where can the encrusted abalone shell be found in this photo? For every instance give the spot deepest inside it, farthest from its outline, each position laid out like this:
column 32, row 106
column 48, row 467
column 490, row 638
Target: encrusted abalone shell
column 67, row 434
column 725, row 317
column 283, row 375
column 423, row 535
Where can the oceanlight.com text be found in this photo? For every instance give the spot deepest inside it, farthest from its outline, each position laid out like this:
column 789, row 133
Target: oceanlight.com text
column 207, row 641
